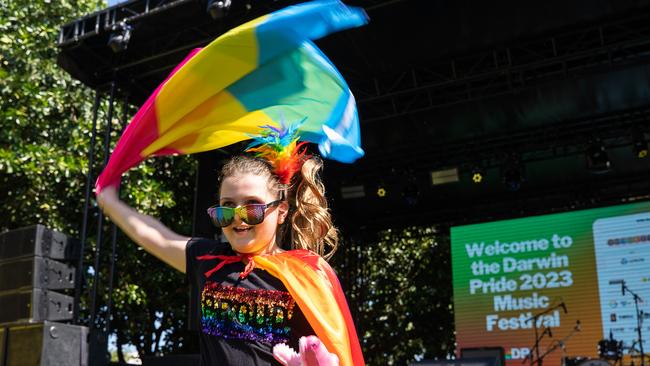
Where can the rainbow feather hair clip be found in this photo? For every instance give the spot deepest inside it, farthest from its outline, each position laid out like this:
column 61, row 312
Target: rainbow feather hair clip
column 281, row 148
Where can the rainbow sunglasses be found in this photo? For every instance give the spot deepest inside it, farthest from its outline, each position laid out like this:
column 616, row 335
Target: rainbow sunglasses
column 251, row 214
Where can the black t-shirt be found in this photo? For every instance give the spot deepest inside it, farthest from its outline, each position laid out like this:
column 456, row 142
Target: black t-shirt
column 239, row 320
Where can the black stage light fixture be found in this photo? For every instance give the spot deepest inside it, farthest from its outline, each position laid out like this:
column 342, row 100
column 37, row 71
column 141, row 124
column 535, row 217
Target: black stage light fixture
column 597, row 158
column 640, row 145
column 119, row 39
column 411, row 193
column 641, row 149
column 512, row 174
column 478, row 174
column 355, row 191
column 409, row 188
column 218, row 8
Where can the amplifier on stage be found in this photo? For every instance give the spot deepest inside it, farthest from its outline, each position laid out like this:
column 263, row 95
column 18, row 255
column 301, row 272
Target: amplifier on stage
column 37, row 240
column 43, row 344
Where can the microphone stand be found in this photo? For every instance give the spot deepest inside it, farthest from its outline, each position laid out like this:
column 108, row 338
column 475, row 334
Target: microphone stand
column 540, row 358
column 538, row 337
column 562, row 343
column 639, row 318
column 554, row 346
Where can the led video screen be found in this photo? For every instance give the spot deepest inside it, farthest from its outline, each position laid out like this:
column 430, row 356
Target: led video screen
column 573, row 275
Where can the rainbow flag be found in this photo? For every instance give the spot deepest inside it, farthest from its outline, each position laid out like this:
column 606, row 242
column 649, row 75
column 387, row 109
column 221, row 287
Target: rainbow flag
column 259, row 73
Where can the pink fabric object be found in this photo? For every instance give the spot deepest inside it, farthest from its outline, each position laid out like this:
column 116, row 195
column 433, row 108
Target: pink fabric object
column 312, row 353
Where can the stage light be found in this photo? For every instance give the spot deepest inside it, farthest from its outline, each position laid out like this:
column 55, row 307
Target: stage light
column 597, row 159
column 444, row 176
column 478, row 174
column 349, row 192
column 119, row 39
column 640, row 146
column 381, row 192
column 218, row 8
column 641, row 149
column 512, row 174
column 411, row 193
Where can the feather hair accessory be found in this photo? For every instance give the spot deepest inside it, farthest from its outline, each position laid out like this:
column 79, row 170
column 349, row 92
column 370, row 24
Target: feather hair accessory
column 281, row 148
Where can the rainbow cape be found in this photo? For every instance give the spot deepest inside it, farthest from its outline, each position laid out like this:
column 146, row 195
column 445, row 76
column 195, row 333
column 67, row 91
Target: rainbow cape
column 317, row 291
column 256, row 74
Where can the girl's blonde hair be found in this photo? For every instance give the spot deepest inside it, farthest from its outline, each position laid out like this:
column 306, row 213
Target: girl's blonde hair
column 309, row 225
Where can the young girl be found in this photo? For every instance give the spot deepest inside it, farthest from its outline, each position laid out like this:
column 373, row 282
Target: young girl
column 270, row 285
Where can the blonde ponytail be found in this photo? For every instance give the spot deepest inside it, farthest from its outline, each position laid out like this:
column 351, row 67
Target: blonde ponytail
column 311, row 222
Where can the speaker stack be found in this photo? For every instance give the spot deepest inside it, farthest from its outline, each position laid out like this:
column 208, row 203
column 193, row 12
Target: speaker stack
column 483, row 356
column 36, row 296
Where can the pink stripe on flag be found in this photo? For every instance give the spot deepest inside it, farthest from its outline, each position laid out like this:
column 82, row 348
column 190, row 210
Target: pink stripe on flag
column 138, row 135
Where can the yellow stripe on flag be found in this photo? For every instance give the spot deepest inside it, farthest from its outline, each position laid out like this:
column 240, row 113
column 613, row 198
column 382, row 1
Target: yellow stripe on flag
column 239, row 130
column 219, row 121
column 214, row 68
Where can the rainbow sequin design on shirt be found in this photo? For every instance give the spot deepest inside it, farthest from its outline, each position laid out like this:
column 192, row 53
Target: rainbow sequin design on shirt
column 239, row 313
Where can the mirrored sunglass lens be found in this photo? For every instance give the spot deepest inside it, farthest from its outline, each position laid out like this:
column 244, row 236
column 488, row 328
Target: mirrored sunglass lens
column 224, row 216
column 241, row 212
column 213, row 215
column 254, row 213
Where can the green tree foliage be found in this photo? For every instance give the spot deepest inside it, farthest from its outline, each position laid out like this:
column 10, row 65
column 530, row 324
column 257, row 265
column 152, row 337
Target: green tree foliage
column 151, row 298
column 46, row 120
column 44, row 114
column 402, row 290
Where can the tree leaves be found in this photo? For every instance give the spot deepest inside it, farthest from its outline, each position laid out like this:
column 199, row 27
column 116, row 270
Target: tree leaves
column 403, row 292
column 46, row 120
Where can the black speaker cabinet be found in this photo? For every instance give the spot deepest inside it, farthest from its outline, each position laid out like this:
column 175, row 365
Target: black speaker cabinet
column 498, row 354
column 456, row 362
column 34, row 305
column 43, row 344
column 39, row 241
column 35, row 272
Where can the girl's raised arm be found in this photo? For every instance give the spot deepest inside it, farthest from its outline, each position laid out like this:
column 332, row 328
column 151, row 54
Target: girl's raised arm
column 145, row 230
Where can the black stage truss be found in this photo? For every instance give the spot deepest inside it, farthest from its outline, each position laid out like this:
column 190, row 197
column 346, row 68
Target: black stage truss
column 506, row 69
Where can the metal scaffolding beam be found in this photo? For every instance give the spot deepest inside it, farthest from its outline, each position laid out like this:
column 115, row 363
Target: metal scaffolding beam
column 503, row 70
